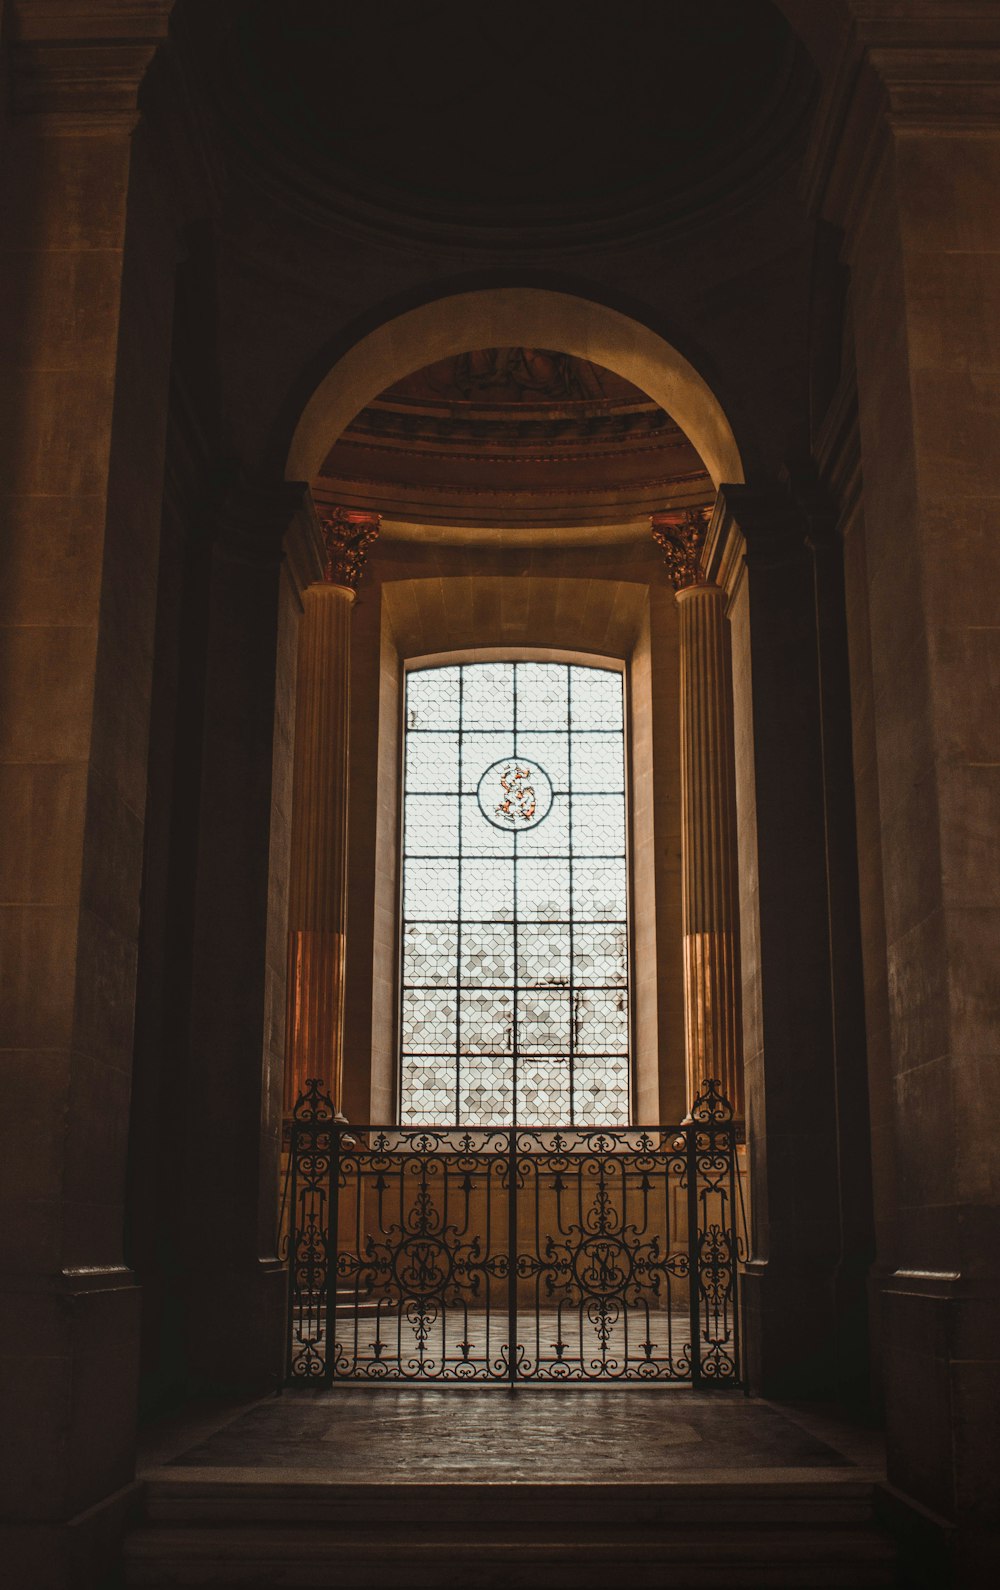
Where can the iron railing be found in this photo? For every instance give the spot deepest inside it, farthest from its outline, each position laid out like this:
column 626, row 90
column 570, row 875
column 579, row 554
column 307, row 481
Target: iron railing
column 508, row 1254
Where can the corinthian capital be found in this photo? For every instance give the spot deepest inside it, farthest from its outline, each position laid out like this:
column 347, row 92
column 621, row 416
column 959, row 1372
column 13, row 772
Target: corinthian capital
column 347, row 535
column 681, row 534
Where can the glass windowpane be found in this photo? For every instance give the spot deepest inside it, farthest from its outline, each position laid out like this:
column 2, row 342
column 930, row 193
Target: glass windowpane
column 514, row 943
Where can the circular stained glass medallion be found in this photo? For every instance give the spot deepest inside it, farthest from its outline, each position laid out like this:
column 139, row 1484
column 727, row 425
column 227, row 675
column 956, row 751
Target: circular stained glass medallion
column 515, row 794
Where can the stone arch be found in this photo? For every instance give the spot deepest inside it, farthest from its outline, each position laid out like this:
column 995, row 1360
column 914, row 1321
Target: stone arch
column 512, row 316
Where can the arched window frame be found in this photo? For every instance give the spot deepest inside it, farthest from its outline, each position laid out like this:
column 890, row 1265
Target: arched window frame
column 515, row 1039
column 619, row 622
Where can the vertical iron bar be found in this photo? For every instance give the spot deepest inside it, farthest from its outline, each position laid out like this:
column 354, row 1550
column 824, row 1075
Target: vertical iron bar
column 512, row 1260
column 458, row 915
column 332, row 1247
column 293, row 1149
column 694, row 1250
column 734, row 1253
column 515, row 1031
column 570, row 884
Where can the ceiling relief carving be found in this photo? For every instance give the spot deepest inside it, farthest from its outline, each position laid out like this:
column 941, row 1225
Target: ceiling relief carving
column 510, row 437
column 517, row 375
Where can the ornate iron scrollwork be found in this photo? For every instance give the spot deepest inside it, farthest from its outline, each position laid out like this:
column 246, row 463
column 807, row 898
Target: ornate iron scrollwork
column 713, row 1178
column 711, row 1103
column 505, row 1254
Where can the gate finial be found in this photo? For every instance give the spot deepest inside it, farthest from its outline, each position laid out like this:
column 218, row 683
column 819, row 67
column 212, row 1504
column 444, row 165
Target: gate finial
column 314, row 1103
column 711, row 1103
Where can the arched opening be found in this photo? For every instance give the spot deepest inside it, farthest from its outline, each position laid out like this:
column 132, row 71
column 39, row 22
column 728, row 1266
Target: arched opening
column 515, row 317
column 452, row 535
column 570, row 568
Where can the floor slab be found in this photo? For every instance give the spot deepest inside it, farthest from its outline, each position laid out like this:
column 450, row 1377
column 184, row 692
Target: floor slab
column 534, row 1435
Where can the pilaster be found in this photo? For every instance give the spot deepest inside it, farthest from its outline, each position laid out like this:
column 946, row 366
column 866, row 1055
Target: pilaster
column 229, row 1238
column 809, row 1253
column 84, row 297
column 907, row 163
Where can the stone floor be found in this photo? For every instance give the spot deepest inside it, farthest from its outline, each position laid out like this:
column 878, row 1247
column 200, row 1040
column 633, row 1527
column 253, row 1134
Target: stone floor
column 536, row 1434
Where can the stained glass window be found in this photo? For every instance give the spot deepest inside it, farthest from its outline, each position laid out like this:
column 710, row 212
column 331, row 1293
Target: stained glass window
column 515, row 932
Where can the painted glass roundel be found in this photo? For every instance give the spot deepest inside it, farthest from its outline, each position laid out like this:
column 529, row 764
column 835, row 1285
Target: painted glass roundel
column 515, row 794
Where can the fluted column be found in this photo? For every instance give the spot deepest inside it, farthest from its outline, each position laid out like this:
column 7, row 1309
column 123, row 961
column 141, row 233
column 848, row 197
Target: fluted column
column 710, row 901
column 318, row 888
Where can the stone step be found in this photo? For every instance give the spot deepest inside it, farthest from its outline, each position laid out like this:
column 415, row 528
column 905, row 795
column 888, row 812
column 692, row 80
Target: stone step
column 333, row 1503
column 293, row 1558
column 300, row 1535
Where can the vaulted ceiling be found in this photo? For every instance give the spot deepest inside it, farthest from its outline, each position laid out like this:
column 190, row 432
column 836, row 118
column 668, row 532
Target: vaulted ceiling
column 527, row 115
column 514, row 437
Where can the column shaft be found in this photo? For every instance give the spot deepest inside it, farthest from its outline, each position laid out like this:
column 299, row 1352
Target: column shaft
column 318, row 902
column 708, row 827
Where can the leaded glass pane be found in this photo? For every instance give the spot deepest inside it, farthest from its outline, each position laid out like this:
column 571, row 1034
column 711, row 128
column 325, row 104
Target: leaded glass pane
column 487, row 1024
column 544, row 954
column 543, row 890
column 597, row 699
column 545, row 1093
column 552, row 751
column 542, row 691
column 488, row 696
column 488, row 889
column 601, row 955
column 598, row 825
column 480, row 838
column 597, row 763
column 430, row 890
column 430, row 824
column 432, row 699
column 598, row 888
column 429, row 1016
column 431, row 761
column 515, row 960
column 600, row 1020
column 480, row 749
column 486, row 958
column 429, row 951
column 550, row 838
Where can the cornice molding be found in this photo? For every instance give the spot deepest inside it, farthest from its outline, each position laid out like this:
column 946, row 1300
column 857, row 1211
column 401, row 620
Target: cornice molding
column 838, row 448
column 931, row 68
column 305, row 552
column 755, row 528
column 652, row 485
column 183, row 137
column 257, row 522
column 724, row 549
column 69, row 21
column 81, row 63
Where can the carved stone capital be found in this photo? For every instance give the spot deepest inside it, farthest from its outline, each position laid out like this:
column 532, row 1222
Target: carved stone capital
column 347, row 535
column 681, row 534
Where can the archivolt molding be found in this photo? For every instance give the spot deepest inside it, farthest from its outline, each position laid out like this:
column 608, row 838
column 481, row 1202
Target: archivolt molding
column 508, row 317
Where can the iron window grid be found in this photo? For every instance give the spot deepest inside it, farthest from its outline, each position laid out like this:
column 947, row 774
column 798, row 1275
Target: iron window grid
column 515, row 1057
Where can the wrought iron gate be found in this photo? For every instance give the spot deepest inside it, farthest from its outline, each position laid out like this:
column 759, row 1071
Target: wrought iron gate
column 506, row 1254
